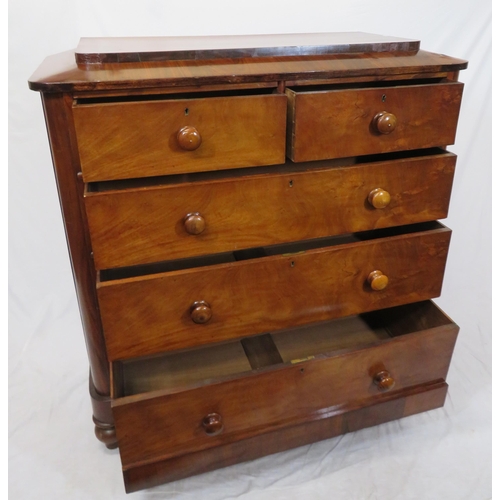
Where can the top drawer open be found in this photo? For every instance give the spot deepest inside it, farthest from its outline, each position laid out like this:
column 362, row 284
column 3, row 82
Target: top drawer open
column 150, row 137
column 338, row 122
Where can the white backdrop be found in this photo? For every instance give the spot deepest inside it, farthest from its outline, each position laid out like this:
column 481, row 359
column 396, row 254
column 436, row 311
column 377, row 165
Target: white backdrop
column 444, row 454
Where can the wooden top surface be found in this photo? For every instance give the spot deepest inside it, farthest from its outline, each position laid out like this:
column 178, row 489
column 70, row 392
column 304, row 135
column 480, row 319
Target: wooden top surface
column 61, row 73
column 148, row 49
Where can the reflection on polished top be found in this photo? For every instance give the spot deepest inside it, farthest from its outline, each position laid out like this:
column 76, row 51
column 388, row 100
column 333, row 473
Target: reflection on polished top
column 105, row 50
column 138, row 63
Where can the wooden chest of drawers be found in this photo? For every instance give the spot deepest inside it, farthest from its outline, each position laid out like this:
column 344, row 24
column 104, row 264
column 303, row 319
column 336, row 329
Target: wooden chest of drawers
column 252, row 224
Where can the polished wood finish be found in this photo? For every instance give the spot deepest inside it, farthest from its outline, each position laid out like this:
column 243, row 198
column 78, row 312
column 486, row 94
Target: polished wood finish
column 59, row 121
column 156, row 49
column 338, row 123
column 224, row 290
column 212, row 424
column 380, row 409
column 194, row 223
column 384, row 381
column 189, row 138
column 379, row 198
column 302, row 287
column 113, row 146
column 169, row 424
column 201, row 312
column 274, row 206
column 384, row 122
column 103, row 419
column 377, row 280
column 60, row 73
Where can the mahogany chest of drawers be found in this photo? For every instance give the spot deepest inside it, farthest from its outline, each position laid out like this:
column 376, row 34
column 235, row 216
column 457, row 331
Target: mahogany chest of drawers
column 252, row 224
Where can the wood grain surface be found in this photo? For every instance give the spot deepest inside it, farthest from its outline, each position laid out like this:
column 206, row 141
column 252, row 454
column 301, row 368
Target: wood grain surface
column 218, row 283
column 125, row 49
column 380, row 409
column 59, row 120
column 139, row 139
column 144, row 224
column 163, row 425
column 60, row 73
column 339, row 123
column 148, row 314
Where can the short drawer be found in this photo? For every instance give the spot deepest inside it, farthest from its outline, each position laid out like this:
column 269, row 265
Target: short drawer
column 137, row 222
column 336, row 123
column 121, row 140
column 166, row 407
column 185, row 303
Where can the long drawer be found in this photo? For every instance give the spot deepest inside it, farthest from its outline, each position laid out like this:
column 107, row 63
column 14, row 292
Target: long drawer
column 336, row 123
column 121, row 140
column 187, row 303
column 163, row 417
column 139, row 222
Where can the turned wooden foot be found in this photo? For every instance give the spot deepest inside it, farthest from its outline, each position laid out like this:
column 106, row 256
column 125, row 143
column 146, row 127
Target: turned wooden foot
column 106, row 434
column 103, row 417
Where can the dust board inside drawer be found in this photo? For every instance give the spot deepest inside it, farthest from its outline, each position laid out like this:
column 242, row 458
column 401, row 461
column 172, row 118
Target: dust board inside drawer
column 180, row 370
column 345, row 333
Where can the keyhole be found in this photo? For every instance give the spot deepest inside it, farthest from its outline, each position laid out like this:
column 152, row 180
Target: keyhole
column 290, row 184
column 292, row 263
column 186, row 111
column 384, row 97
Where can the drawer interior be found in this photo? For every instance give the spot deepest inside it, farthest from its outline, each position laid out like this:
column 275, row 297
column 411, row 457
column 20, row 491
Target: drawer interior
column 287, row 168
column 368, row 84
column 255, row 253
column 181, row 370
column 83, row 101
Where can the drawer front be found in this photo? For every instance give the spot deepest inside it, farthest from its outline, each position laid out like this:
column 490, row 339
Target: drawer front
column 342, row 123
column 142, row 139
column 156, row 425
column 145, row 315
column 144, row 225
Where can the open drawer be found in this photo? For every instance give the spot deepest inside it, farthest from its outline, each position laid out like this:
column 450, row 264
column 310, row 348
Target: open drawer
column 184, row 403
column 162, row 135
column 149, row 220
column 185, row 303
column 336, row 122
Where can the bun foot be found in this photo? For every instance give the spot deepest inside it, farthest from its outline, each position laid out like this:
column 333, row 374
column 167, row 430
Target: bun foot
column 106, row 434
column 103, row 418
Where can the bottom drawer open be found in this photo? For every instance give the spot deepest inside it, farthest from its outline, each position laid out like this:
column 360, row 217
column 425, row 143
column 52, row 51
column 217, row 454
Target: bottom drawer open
column 192, row 402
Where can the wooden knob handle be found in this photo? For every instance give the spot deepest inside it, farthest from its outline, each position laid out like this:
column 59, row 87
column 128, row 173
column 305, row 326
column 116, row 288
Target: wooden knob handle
column 201, row 312
column 377, row 280
column 194, row 223
column 189, row 138
column 384, row 122
column 384, row 381
column 379, row 198
column 212, row 424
